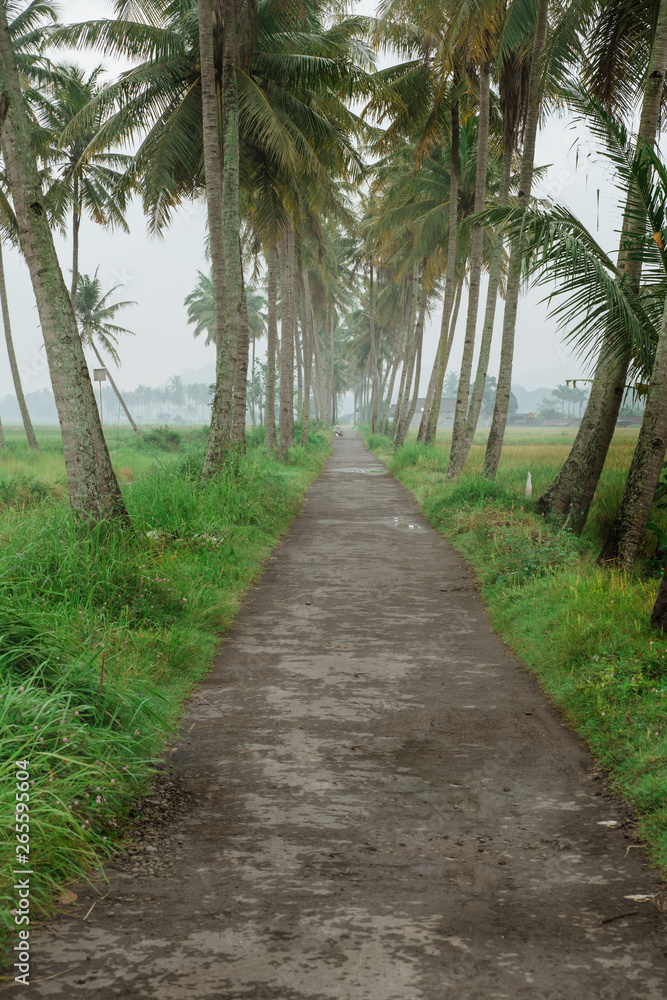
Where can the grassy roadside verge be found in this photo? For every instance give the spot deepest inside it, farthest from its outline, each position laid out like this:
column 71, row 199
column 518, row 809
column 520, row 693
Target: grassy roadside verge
column 103, row 635
column 581, row 630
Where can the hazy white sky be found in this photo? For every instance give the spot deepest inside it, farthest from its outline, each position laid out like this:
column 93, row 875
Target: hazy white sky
column 159, row 274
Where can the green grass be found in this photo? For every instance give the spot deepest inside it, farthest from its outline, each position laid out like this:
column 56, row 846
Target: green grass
column 582, row 630
column 153, row 599
column 27, row 476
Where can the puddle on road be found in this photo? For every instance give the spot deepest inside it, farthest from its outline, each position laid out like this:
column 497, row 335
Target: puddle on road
column 400, row 523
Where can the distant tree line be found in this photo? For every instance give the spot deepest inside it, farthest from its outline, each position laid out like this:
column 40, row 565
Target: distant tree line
column 177, row 401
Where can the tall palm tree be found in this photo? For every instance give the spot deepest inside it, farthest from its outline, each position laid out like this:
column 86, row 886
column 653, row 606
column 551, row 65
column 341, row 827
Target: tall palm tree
column 605, row 313
column 291, row 116
column 95, row 315
column 513, row 80
column 272, row 343
column 200, row 304
column 572, row 491
column 480, row 39
column 504, row 387
column 88, row 181
column 219, row 435
column 26, row 32
column 5, row 210
column 93, row 487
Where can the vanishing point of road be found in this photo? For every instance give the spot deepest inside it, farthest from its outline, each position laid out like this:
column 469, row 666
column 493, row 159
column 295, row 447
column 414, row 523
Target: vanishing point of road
column 382, row 804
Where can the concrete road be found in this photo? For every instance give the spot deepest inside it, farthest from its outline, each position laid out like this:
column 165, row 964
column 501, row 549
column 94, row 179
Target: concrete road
column 384, row 808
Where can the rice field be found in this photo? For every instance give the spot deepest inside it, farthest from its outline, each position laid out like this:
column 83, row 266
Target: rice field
column 542, row 451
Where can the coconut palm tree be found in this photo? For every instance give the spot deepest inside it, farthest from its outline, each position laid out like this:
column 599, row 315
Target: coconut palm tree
column 176, row 390
column 7, row 213
column 88, row 181
column 292, row 117
column 95, row 315
column 645, row 26
column 26, row 24
column 93, row 488
column 200, row 304
column 603, row 312
column 513, row 79
column 504, row 387
column 479, row 40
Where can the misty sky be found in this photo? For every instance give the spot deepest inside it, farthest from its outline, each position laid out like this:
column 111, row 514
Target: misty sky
column 159, row 274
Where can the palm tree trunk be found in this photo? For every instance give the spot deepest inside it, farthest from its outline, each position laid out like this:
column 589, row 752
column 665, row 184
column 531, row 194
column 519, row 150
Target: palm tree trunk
column 457, row 455
column 448, row 341
column 390, row 391
column 76, row 225
column 571, row 493
column 454, row 318
column 659, row 615
column 298, row 357
column 320, row 381
column 307, row 355
column 272, row 336
column 93, row 487
column 14, row 368
column 115, row 389
column 221, row 410
column 627, row 530
column 406, row 332
column 419, row 337
column 374, row 358
column 286, row 416
column 431, row 425
column 236, row 314
column 489, row 319
column 332, row 348
column 291, row 265
column 409, row 362
column 496, row 434
column 384, row 403
column 253, row 415
column 240, row 389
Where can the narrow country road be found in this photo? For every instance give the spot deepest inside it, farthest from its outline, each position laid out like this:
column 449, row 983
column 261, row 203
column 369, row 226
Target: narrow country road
column 383, row 807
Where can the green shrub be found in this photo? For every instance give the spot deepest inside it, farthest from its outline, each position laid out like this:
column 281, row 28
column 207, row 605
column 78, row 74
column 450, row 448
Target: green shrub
column 377, row 442
column 161, row 439
column 24, row 489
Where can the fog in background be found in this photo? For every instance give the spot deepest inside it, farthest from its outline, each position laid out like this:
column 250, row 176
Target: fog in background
column 159, row 274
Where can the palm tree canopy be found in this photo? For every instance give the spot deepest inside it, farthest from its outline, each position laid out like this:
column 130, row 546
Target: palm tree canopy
column 93, row 181
column 293, row 113
column 200, row 305
column 95, row 314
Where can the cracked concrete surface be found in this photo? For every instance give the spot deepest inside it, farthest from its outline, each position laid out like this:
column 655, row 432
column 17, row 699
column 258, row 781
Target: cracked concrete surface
column 376, row 815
